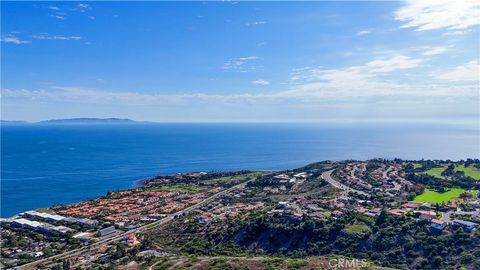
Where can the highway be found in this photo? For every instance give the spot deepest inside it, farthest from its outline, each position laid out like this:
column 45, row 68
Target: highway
column 118, row 237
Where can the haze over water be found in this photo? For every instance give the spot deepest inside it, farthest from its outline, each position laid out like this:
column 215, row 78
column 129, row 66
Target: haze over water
column 43, row 165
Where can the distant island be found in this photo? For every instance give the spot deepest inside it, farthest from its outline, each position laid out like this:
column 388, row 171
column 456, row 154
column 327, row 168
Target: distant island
column 7, row 122
column 77, row 121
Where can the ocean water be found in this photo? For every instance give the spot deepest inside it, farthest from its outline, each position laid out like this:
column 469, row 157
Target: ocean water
column 43, row 165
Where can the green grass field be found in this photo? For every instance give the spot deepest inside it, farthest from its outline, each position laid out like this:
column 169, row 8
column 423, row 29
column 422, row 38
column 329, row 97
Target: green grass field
column 437, row 171
column 358, row 229
column 469, row 171
column 416, row 165
column 227, row 179
column 179, row 188
column 435, row 197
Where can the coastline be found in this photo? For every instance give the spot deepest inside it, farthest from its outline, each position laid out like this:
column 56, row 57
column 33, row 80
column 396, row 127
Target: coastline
column 138, row 183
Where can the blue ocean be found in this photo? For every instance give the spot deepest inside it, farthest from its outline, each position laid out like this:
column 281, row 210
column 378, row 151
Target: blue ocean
column 44, row 165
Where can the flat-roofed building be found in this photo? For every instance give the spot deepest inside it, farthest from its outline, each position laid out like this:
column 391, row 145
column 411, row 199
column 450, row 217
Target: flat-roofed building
column 47, row 228
column 61, row 230
column 107, row 231
column 70, row 220
column 22, row 222
column 41, row 227
column 45, row 216
column 87, row 222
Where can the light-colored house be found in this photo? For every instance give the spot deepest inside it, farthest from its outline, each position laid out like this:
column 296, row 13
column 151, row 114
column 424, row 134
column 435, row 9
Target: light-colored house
column 467, row 225
column 438, row 224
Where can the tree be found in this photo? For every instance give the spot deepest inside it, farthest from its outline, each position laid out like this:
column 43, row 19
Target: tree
column 466, row 195
column 436, row 262
column 450, row 170
column 120, row 251
column 66, row 264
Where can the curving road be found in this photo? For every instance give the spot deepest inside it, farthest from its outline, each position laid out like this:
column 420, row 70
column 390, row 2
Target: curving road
column 385, row 173
column 327, row 176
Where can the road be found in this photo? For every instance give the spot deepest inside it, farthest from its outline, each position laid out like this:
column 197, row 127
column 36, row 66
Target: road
column 327, row 176
column 352, row 172
column 385, row 173
column 118, row 237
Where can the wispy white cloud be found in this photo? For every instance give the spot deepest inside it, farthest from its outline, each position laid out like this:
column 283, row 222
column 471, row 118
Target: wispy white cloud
column 308, row 85
column 439, row 14
column 368, row 80
column 58, row 16
column 14, row 39
column 435, row 50
column 467, row 72
column 94, row 96
column 82, row 7
column 255, row 23
column 260, row 82
column 394, row 63
column 318, row 85
column 241, row 64
column 363, row 32
column 53, row 8
column 351, row 83
column 45, row 36
column 458, row 32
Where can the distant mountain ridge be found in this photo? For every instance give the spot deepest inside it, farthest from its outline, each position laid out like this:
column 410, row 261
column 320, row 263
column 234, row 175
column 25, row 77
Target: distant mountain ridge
column 13, row 122
column 78, row 121
column 88, row 121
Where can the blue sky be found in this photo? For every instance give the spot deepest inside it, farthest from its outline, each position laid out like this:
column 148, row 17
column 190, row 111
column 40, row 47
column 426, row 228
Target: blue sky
column 241, row 61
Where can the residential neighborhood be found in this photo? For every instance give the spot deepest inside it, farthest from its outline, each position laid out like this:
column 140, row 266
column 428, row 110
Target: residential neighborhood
column 358, row 192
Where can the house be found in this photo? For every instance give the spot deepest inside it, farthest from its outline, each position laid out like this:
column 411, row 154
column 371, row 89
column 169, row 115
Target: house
column 397, row 212
column 204, row 219
column 131, row 240
column 336, row 213
column 282, row 177
column 373, row 212
column 282, row 205
column 301, row 175
column 452, row 205
column 38, row 254
column 426, row 215
column 438, row 224
column 361, row 210
column 152, row 253
column 298, row 216
column 467, row 225
column 425, row 206
column 410, row 205
column 317, row 214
